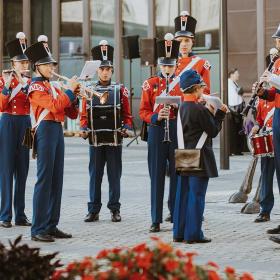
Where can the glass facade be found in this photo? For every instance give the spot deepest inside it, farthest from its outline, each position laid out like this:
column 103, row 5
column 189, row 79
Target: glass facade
column 71, row 40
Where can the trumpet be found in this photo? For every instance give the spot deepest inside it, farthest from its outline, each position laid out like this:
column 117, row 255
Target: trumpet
column 86, row 92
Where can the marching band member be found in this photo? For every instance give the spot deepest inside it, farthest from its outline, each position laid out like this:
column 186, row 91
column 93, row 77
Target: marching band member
column 185, row 33
column 158, row 152
column 110, row 151
column 271, row 94
column 191, row 189
column 264, row 118
column 49, row 105
column 14, row 105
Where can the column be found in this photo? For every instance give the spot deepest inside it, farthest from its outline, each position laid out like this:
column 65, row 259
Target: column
column 118, row 33
column 86, row 29
column 56, row 10
column 26, row 19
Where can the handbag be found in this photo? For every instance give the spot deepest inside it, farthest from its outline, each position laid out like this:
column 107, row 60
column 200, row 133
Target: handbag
column 188, row 160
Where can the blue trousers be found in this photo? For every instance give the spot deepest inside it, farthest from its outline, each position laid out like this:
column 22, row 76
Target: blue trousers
column 276, row 142
column 266, row 192
column 48, row 188
column 112, row 156
column 189, row 207
column 14, row 163
column 158, row 155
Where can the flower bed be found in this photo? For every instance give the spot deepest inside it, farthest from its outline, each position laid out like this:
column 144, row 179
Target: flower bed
column 142, row 262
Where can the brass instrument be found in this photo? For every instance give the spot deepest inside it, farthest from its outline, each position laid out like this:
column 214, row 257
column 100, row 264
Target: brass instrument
column 86, row 92
column 166, row 138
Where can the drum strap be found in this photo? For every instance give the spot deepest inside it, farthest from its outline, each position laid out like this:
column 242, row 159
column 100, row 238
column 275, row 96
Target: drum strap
column 268, row 116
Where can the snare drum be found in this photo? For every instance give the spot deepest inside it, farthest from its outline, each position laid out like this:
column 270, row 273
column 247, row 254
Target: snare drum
column 104, row 120
column 262, row 144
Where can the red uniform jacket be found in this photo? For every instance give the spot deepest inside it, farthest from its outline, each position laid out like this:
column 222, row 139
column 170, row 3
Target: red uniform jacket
column 202, row 67
column 125, row 109
column 152, row 88
column 273, row 93
column 41, row 97
column 263, row 108
column 19, row 105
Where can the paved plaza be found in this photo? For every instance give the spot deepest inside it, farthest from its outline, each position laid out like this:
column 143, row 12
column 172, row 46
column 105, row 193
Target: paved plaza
column 236, row 240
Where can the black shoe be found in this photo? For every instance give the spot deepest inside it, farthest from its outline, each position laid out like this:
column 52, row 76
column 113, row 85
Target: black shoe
column 115, row 216
column 262, row 218
column 42, row 238
column 274, row 230
column 204, row 240
column 57, row 233
column 178, row 239
column 23, row 223
column 275, row 239
column 168, row 218
column 6, row 224
column 155, row 227
column 91, row 217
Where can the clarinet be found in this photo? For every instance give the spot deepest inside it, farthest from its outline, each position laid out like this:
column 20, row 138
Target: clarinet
column 166, row 122
column 255, row 93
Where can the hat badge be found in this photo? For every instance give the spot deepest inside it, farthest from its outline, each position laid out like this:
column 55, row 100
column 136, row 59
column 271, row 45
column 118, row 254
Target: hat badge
column 22, row 40
column 168, row 44
column 44, row 40
column 104, row 49
column 184, row 18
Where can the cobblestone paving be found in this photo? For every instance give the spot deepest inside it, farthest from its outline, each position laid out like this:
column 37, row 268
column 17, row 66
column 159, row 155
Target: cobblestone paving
column 237, row 241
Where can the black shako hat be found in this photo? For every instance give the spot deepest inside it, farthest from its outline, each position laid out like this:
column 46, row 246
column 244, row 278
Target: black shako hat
column 185, row 25
column 168, row 50
column 17, row 47
column 103, row 52
column 39, row 53
column 277, row 33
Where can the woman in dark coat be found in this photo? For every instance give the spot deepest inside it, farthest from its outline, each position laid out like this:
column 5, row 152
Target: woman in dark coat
column 191, row 189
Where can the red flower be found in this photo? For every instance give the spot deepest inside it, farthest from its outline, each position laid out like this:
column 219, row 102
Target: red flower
column 171, row 265
column 71, row 266
column 56, row 275
column 87, row 277
column 102, row 254
column 164, row 247
column 213, row 275
column 179, row 253
column 246, row 276
column 117, row 264
column 139, row 248
column 116, row 250
column 103, row 275
column 86, row 263
column 213, row 264
column 230, row 270
column 144, row 261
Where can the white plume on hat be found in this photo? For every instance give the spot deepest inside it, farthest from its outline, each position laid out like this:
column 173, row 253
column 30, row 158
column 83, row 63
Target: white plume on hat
column 184, row 13
column 42, row 38
column 20, row 35
column 168, row 37
column 103, row 42
column 273, row 51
